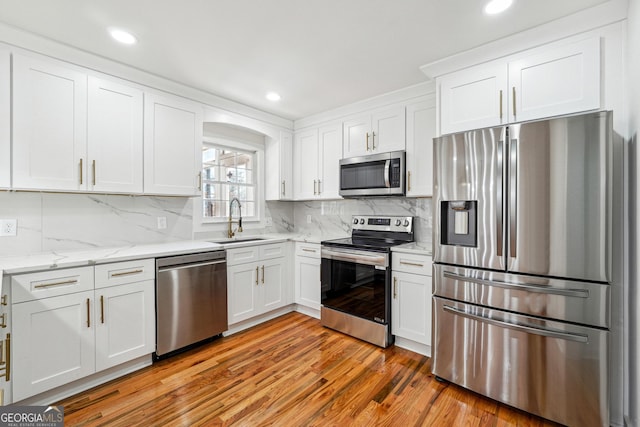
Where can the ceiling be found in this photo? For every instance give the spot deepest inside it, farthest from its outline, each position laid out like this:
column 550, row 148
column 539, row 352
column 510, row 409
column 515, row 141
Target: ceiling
column 318, row 54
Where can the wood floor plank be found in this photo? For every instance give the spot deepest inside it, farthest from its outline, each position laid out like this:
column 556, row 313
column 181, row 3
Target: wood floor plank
column 289, row 371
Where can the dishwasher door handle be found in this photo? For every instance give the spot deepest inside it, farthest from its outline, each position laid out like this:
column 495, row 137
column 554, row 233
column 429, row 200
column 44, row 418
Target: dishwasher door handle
column 183, row 266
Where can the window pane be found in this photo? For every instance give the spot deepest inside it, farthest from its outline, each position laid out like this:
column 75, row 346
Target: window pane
column 249, row 209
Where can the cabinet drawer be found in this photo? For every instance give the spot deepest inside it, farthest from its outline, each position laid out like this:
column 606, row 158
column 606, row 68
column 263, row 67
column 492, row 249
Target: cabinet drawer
column 274, row 250
column 308, row 249
column 30, row 286
column 411, row 263
column 120, row 273
column 242, row 255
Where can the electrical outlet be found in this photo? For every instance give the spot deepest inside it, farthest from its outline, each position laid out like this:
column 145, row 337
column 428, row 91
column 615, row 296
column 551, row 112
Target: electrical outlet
column 308, row 219
column 162, row 222
column 8, row 227
column 268, row 222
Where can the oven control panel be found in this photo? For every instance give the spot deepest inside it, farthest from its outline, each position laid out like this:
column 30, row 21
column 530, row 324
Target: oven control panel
column 383, row 223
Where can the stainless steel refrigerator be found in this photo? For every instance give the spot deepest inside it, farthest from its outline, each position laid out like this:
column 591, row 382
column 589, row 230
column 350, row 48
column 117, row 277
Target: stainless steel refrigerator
column 522, row 265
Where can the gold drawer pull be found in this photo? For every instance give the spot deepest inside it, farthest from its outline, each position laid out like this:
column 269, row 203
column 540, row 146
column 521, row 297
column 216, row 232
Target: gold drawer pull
column 3, row 300
column 412, row 264
column 395, row 288
column 3, row 320
column 309, row 250
column 126, row 273
column 64, row 282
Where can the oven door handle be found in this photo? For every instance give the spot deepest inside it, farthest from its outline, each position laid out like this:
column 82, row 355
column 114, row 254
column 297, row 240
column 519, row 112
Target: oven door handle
column 356, row 257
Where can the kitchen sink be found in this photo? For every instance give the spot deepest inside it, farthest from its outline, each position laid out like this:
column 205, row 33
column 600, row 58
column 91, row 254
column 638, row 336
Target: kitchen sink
column 234, row 240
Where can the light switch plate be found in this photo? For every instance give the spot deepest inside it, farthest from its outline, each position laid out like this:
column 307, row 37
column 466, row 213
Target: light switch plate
column 162, row 222
column 8, row 227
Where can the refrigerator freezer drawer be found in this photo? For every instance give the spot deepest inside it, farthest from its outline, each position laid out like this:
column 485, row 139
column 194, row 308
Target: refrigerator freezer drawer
column 565, row 300
column 551, row 369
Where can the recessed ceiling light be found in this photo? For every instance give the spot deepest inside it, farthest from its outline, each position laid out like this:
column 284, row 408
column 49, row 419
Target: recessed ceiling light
column 272, row 96
column 497, row 6
column 122, row 36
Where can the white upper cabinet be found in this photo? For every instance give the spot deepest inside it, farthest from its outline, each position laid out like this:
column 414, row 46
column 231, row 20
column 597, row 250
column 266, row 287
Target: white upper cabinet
column 549, row 81
column 172, row 146
column 49, row 125
column 279, row 167
column 473, row 98
column 379, row 132
column 115, row 137
column 317, row 155
column 562, row 80
column 421, row 128
column 5, row 119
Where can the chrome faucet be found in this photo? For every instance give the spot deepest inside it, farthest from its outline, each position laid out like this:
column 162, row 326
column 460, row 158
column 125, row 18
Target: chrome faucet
column 231, row 232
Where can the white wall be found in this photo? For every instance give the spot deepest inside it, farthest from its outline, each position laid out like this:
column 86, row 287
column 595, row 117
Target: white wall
column 632, row 318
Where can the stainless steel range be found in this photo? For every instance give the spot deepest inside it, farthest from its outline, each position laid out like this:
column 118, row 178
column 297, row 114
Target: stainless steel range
column 356, row 277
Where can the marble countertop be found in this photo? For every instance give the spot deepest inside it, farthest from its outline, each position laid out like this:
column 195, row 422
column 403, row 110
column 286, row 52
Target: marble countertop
column 418, row 248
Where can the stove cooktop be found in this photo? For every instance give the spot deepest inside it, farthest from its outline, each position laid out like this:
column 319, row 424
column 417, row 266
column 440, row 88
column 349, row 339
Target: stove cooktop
column 376, row 233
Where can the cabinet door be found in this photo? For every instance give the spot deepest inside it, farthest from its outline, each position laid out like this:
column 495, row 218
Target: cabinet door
column 307, row 281
column 49, row 126
column 306, row 165
column 411, row 307
column 272, row 281
column 473, row 98
column 279, row 171
column 356, row 139
column 388, row 131
column 243, row 283
column 329, row 153
column 172, row 146
column 125, row 323
column 114, row 137
column 421, row 128
column 562, row 80
column 52, row 343
column 5, row 123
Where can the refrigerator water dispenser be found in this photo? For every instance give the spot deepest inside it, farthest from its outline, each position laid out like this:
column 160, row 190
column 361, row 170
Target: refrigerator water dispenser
column 459, row 223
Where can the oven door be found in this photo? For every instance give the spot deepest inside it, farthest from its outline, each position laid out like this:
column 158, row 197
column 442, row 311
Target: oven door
column 356, row 282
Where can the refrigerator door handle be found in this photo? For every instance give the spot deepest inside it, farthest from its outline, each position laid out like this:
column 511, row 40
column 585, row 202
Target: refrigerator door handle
column 519, row 327
column 499, row 190
column 513, row 201
column 530, row 287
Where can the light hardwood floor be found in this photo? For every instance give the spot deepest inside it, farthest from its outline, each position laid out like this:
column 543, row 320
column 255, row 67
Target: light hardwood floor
column 288, row 372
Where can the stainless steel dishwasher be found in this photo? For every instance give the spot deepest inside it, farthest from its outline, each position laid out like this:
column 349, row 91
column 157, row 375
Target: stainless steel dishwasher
column 191, row 299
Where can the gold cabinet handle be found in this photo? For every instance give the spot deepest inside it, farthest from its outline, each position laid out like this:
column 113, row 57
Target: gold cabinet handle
column 319, row 188
column 3, row 300
column 395, row 288
column 309, row 250
column 101, row 308
column 408, row 180
column 5, row 357
column 3, row 320
column 257, row 275
column 500, row 105
column 367, row 141
column 126, row 273
column 412, row 264
column 81, row 169
column 263, row 274
column 88, row 313
column 93, row 173
column 283, row 188
column 48, row 285
column 314, row 187
column 200, row 181
column 373, row 141
column 513, row 93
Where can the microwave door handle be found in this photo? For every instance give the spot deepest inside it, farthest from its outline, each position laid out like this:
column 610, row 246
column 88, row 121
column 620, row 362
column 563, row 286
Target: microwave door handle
column 387, row 167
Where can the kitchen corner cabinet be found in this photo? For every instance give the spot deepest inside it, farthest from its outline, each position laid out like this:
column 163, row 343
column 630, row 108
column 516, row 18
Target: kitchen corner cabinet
column 256, row 280
column 421, row 129
column 114, row 137
column 279, row 170
column 66, row 327
column 307, row 275
column 411, row 298
column 317, row 155
column 5, row 118
column 378, row 132
column 49, row 125
column 544, row 82
column 172, row 146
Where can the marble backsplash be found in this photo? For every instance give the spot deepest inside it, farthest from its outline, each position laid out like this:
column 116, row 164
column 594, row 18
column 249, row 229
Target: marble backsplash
column 62, row 221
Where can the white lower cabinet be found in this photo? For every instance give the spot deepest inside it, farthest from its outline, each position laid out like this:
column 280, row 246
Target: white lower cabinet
column 411, row 301
column 307, row 275
column 256, row 281
column 63, row 332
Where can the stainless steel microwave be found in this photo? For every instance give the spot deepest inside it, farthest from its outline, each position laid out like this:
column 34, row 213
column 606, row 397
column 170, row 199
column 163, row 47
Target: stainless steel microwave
column 374, row 175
